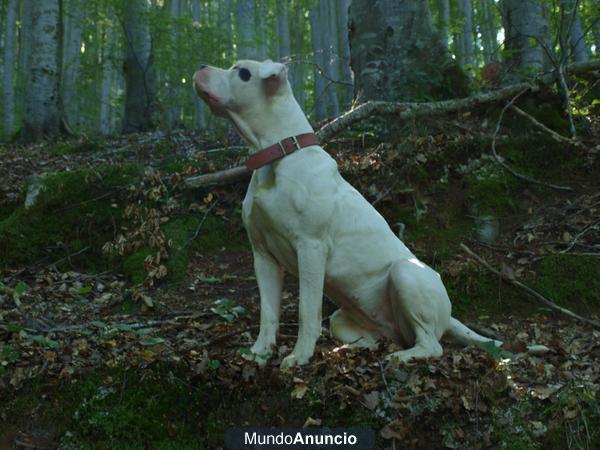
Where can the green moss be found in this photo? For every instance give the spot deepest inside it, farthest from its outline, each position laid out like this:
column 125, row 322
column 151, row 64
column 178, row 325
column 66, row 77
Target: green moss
column 188, row 234
column 67, row 148
column 74, row 210
column 133, row 265
column 570, row 280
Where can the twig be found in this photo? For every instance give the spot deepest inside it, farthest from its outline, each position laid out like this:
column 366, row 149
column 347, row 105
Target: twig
column 543, row 127
column 506, row 166
column 68, row 257
column 591, row 226
column 237, row 332
column 533, row 292
column 385, row 383
column 132, row 326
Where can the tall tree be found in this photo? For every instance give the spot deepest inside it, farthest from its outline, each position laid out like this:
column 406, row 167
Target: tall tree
column 526, row 32
column 318, row 61
column 199, row 104
column 444, row 6
column 346, row 91
column 488, row 31
column 139, row 76
column 571, row 27
column 397, row 55
column 328, row 58
column 42, row 97
column 283, row 31
column 465, row 14
column 8, row 81
column 72, row 39
column 109, row 55
column 263, row 49
column 246, row 45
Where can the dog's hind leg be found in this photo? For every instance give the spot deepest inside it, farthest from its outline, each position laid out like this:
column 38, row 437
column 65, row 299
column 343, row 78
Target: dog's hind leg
column 421, row 309
column 343, row 328
column 269, row 276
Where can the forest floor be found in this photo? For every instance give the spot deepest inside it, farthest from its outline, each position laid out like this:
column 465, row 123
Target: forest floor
column 95, row 355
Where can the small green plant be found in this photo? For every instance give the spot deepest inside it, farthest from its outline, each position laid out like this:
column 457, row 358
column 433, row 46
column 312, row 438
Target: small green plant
column 228, row 310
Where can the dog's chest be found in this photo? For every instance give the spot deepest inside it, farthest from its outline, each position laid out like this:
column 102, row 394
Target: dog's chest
column 270, row 219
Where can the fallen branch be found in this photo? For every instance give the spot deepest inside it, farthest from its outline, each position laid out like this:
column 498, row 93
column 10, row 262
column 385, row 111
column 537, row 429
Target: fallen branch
column 403, row 111
column 543, row 127
column 526, row 288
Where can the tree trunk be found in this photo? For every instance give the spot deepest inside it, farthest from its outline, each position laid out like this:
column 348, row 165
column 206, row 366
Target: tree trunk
column 283, row 31
column 109, row 51
column 72, row 36
column 317, row 47
column 397, row 55
column 139, row 76
column 8, row 85
column 444, row 21
column 298, row 68
column 263, row 51
column 465, row 11
column 526, row 36
column 574, row 31
column 328, row 60
column 42, row 97
column 488, row 31
column 224, row 9
column 344, row 62
column 200, row 112
column 246, row 45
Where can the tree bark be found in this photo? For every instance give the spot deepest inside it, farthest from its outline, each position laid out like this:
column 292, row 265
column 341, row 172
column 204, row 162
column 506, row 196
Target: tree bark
column 526, row 36
column 346, row 90
column 42, row 95
column 109, row 53
column 200, row 111
column 71, row 62
column 488, row 31
column 263, row 51
column 246, row 45
column 333, row 107
column 8, row 79
column 465, row 12
column 574, row 31
column 444, row 21
column 397, row 55
column 283, row 31
column 139, row 74
column 319, row 61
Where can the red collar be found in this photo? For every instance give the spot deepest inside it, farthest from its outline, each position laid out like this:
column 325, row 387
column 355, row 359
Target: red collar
column 281, row 149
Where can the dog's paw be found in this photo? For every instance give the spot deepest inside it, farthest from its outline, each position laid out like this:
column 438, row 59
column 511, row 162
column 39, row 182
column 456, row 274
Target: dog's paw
column 294, row 360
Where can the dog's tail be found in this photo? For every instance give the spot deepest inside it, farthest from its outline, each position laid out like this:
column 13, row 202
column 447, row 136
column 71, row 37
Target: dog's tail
column 465, row 336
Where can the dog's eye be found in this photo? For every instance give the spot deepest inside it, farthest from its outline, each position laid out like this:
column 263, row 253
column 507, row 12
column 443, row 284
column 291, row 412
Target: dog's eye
column 245, row 74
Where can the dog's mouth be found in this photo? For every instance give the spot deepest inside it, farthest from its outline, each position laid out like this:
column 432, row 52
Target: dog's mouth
column 210, row 97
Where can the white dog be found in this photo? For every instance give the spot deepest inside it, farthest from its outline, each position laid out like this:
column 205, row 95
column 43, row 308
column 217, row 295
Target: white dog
column 303, row 217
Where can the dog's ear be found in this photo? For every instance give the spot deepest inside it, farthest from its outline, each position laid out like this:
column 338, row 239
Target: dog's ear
column 273, row 74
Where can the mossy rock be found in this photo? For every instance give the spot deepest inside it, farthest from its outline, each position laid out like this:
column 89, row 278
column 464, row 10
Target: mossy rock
column 74, row 210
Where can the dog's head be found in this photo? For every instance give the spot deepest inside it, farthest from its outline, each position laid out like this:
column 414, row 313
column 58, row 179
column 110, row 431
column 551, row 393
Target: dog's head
column 246, row 86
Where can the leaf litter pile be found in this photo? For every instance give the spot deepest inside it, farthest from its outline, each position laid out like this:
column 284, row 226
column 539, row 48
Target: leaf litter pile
column 57, row 325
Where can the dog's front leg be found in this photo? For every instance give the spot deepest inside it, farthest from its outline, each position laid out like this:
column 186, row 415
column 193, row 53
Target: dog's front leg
column 269, row 276
column 311, row 271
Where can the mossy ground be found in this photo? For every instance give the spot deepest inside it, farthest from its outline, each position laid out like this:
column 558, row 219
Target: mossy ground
column 74, row 210
column 160, row 407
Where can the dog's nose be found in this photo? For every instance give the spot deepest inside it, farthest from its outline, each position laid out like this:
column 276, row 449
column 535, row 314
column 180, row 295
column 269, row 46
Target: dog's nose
column 203, row 66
